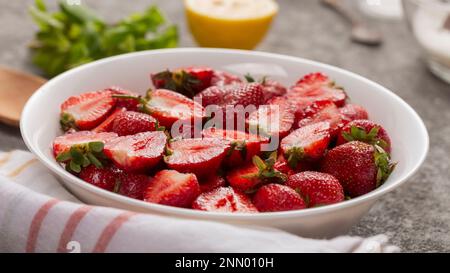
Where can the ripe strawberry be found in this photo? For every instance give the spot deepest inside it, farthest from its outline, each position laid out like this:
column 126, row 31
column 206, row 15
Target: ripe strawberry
column 274, row 119
column 213, row 95
column 212, row 182
column 224, row 199
column 252, row 175
column 106, row 126
column 353, row 111
column 127, row 103
column 201, row 156
column 317, row 86
column 172, row 188
column 221, row 78
column 317, row 189
column 131, row 123
column 132, row 185
column 86, row 111
column 322, row 111
column 243, row 146
column 246, row 94
column 138, row 152
column 168, row 107
column 272, row 89
column 306, row 143
column 359, row 167
column 276, row 197
column 63, row 143
column 105, row 178
column 187, row 81
column 366, row 131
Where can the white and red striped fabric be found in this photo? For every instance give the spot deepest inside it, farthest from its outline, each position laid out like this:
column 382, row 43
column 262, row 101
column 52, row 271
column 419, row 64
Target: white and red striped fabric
column 38, row 215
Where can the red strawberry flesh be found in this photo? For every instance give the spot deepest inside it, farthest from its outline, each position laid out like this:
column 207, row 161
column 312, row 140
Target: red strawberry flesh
column 224, row 199
column 138, row 152
column 172, row 188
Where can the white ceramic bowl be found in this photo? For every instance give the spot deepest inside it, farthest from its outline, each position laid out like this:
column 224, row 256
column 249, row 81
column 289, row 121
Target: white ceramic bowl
column 39, row 126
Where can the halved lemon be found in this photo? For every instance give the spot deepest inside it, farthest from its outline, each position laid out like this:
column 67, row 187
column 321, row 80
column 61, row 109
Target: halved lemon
column 230, row 23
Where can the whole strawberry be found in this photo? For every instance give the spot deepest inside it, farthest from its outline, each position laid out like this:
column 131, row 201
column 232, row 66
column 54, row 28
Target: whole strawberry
column 104, row 178
column 359, row 167
column 317, row 189
column 276, row 197
column 132, row 185
column 131, row 123
column 366, row 131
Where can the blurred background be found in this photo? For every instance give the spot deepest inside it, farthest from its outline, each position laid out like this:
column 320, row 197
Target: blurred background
column 415, row 216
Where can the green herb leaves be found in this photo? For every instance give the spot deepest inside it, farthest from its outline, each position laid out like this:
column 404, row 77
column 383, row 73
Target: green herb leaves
column 74, row 35
column 82, row 155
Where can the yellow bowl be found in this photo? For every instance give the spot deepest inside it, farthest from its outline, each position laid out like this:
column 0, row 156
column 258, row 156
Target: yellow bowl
column 210, row 30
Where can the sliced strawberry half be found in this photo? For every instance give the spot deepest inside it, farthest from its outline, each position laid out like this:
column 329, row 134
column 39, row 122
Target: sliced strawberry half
column 317, row 86
column 86, row 111
column 274, row 119
column 63, row 143
column 221, row 78
column 201, row 156
column 243, row 146
column 130, row 123
column 323, row 111
column 172, row 188
column 224, row 199
column 106, row 126
column 306, row 143
column 352, row 112
column 138, row 152
column 168, row 107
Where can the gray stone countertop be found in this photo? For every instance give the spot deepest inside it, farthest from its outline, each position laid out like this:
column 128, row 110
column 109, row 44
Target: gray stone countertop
column 417, row 215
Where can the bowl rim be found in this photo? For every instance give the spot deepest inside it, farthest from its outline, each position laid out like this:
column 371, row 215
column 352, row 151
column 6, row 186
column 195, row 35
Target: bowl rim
column 185, row 212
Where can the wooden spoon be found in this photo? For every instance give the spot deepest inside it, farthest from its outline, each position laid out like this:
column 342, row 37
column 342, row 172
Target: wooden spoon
column 15, row 89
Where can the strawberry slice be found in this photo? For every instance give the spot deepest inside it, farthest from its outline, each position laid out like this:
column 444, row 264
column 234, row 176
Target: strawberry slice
column 317, row 86
column 201, row 156
column 274, row 119
column 106, row 126
column 323, row 111
column 252, row 175
column 224, row 199
column 306, row 143
column 168, row 107
column 212, row 182
column 276, row 197
column 130, row 123
column 86, row 111
column 63, row 143
column 137, row 152
column 172, row 188
column 243, row 146
column 352, row 112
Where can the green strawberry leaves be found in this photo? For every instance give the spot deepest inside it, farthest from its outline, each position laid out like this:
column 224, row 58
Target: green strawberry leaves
column 266, row 172
column 82, row 155
column 181, row 82
column 294, row 156
column 358, row 133
column 384, row 165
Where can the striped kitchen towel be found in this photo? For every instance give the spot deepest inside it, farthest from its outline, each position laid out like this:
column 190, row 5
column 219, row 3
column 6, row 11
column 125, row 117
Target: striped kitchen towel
column 37, row 214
